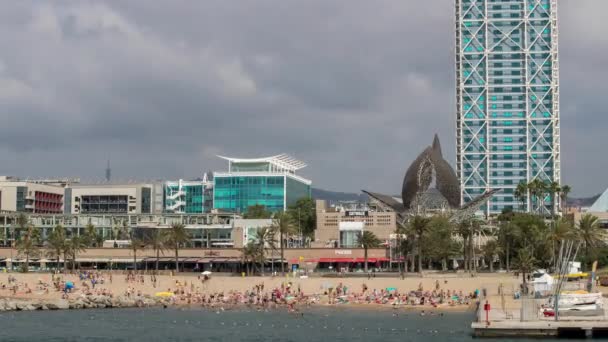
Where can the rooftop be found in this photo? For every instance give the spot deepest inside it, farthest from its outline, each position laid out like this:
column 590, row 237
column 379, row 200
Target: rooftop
column 280, row 161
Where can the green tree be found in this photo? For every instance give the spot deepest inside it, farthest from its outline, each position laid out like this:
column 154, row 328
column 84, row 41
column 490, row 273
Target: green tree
column 177, row 235
column 566, row 189
column 562, row 231
column 92, row 239
column 531, row 232
column 157, row 240
column 125, row 231
column 554, row 189
column 249, row 254
column 367, row 240
column 27, row 244
column 137, row 244
column 521, row 191
column 468, row 230
column 591, row 235
column 419, row 226
column 257, row 211
column 525, row 262
column 263, row 239
column 74, row 246
column 439, row 242
column 282, row 223
column 538, row 189
column 490, row 250
column 56, row 244
column 304, row 216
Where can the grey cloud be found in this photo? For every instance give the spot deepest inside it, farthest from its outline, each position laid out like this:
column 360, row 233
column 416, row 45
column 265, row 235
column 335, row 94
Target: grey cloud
column 354, row 88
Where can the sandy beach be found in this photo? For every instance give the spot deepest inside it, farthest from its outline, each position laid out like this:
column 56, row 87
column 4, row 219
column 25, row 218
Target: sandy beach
column 32, row 285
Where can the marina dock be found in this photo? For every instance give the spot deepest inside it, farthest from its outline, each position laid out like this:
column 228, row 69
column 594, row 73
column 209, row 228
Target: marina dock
column 580, row 329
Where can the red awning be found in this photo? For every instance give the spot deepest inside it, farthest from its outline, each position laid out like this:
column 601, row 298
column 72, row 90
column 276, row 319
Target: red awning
column 348, row 260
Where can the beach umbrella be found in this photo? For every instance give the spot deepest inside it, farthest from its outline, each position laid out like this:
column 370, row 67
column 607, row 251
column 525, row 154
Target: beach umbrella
column 389, row 289
column 206, row 273
column 69, row 285
column 163, row 294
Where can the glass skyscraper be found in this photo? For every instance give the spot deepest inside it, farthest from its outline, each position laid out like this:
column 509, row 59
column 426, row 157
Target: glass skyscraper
column 507, row 99
column 271, row 182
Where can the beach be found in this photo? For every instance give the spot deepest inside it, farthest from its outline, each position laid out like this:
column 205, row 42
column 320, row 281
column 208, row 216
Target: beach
column 433, row 291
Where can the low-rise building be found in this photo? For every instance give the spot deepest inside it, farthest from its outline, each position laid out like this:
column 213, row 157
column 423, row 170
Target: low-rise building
column 110, row 199
column 341, row 225
column 30, row 197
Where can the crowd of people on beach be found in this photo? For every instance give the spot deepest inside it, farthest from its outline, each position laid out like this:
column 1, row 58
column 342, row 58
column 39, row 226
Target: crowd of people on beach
column 193, row 291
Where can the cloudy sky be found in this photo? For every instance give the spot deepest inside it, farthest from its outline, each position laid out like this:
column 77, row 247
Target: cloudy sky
column 355, row 88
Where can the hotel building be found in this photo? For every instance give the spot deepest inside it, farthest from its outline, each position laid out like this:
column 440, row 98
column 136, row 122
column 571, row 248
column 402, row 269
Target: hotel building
column 508, row 122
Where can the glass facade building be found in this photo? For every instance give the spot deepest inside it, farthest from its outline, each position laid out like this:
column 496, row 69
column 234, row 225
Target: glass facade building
column 270, row 182
column 188, row 197
column 507, row 99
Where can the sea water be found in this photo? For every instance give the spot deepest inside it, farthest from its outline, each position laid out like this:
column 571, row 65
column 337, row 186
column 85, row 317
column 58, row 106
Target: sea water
column 174, row 324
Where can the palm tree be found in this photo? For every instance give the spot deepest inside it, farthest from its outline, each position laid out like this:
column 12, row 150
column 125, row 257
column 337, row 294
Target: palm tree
column 590, row 234
column 419, row 225
column 90, row 234
column 562, row 231
column 367, row 240
column 520, row 193
column 555, row 189
column 538, row 188
column 264, row 238
column 490, row 250
column 525, row 262
column 56, row 244
column 74, row 246
column 282, row 224
column 125, row 230
column 137, row 244
column 249, row 254
column 157, row 241
column 177, row 235
column 566, row 189
column 28, row 242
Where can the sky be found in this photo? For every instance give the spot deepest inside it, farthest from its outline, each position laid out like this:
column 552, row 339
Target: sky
column 354, row 88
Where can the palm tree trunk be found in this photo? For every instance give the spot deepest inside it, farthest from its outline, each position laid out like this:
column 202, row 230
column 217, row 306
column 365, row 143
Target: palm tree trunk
column 465, row 254
column 135, row 260
column 27, row 262
column 57, row 265
column 282, row 248
column 507, row 252
column 176, row 259
column 491, row 262
column 74, row 262
column 365, row 258
column 157, row 259
column 419, row 257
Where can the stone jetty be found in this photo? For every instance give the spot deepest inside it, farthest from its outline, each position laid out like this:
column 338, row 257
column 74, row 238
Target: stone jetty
column 81, row 302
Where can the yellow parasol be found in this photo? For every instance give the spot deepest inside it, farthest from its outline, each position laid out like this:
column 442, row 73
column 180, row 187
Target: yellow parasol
column 164, row 294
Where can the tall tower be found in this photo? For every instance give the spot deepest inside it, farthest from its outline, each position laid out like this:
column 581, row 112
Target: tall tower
column 108, row 172
column 507, row 81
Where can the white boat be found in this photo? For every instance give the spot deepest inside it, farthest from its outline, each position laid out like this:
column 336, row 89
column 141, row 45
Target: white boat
column 573, row 299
